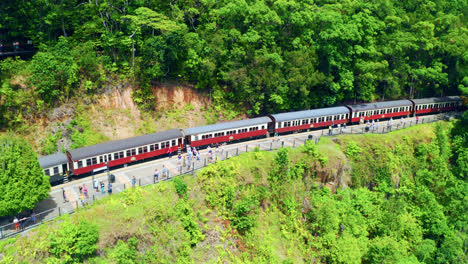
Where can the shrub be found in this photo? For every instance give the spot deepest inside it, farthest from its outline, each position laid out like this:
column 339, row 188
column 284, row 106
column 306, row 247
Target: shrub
column 125, row 253
column 352, row 149
column 241, row 219
column 180, row 186
column 73, row 242
column 186, row 215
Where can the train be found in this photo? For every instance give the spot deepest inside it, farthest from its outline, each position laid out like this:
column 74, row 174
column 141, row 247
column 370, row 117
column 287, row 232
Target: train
column 87, row 160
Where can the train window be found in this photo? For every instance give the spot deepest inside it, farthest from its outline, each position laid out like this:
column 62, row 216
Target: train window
column 94, row 160
column 80, row 164
column 263, row 127
column 152, row 147
column 56, row 170
column 101, row 160
column 46, row 172
column 173, row 142
column 109, row 157
column 88, row 162
column 145, row 149
column 128, row 153
column 156, row 146
column 140, row 150
column 121, row 154
column 133, row 152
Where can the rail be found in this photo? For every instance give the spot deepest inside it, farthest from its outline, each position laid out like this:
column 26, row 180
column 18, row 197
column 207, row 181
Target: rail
column 274, row 143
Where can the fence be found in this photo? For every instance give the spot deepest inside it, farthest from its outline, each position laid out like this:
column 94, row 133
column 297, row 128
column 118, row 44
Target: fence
column 218, row 154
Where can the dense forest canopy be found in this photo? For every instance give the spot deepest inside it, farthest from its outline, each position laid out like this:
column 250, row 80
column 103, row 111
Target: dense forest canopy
column 271, row 55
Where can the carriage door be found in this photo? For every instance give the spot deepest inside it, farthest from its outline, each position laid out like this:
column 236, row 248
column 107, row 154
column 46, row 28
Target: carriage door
column 70, row 164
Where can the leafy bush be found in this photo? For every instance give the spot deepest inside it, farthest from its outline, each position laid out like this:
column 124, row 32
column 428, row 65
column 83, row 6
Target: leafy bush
column 186, row 215
column 180, row 186
column 74, row 242
column 352, row 149
column 241, row 219
column 125, row 253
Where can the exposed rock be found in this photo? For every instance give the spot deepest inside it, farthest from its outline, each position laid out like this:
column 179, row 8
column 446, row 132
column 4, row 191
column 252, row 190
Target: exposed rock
column 61, row 112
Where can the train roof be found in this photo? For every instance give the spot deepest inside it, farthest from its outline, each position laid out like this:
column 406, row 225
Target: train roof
column 123, row 144
column 226, row 125
column 437, row 100
column 379, row 105
column 52, row 160
column 310, row 113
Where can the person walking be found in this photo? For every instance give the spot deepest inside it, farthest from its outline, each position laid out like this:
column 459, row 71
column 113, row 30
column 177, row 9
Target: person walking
column 109, row 188
column 16, row 222
column 33, row 217
column 96, row 185
column 417, row 120
column 156, row 175
column 64, row 196
column 133, row 181
column 330, row 130
column 169, row 152
column 164, row 172
column 85, row 191
column 22, row 221
column 102, row 188
column 198, row 156
column 82, row 199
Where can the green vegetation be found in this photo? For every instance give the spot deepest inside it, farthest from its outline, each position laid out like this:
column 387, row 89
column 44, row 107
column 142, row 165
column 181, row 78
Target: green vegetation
column 263, row 56
column 22, row 181
column 395, row 198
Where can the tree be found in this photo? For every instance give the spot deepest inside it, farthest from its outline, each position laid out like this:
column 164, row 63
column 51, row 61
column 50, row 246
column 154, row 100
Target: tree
column 54, row 71
column 22, row 181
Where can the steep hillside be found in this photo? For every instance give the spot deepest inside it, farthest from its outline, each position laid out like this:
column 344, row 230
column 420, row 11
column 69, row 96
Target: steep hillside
column 354, row 199
column 113, row 114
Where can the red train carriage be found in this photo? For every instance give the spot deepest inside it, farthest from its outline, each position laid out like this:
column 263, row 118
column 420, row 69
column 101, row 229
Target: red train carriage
column 303, row 120
column 380, row 110
column 437, row 104
column 226, row 132
column 114, row 153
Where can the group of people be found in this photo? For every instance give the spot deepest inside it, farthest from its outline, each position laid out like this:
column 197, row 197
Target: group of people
column 21, row 222
column 100, row 186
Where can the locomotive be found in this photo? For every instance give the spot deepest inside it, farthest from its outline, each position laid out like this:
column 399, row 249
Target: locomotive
column 86, row 160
